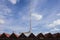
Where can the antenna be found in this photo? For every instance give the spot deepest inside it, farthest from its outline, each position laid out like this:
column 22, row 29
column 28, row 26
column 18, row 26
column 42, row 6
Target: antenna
column 30, row 23
column 30, row 17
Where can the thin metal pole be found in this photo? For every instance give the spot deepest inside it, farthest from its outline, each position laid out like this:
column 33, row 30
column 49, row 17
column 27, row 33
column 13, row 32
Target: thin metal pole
column 30, row 23
column 30, row 18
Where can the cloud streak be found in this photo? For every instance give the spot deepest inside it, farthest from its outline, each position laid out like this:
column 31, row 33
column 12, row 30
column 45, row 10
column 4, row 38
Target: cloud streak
column 54, row 24
column 2, row 21
column 13, row 1
column 36, row 16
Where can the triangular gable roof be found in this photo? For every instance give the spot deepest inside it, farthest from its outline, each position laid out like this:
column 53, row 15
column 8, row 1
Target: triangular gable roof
column 4, row 35
column 13, row 35
column 22, row 36
column 31, row 36
column 48, row 35
column 56, row 35
column 40, row 35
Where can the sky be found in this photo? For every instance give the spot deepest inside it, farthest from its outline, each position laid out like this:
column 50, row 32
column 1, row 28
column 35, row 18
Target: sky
column 15, row 16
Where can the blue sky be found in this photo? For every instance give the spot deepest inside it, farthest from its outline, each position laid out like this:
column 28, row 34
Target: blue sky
column 15, row 16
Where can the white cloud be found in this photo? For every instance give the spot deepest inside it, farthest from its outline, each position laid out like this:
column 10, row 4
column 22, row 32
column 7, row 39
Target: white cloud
column 54, row 23
column 58, row 14
column 35, row 19
column 17, row 29
column 13, row 1
column 36, row 16
column 2, row 21
column 55, row 29
column 5, row 11
column 45, row 32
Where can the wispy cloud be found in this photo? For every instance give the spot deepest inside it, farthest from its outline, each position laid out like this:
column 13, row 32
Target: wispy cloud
column 58, row 14
column 13, row 1
column 36, row 16
column 54, row 23
column 2, row 21
column 55, row 30
column 4, row 10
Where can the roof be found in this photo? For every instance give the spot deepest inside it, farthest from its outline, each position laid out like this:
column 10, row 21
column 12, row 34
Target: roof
column 40, row 35
column 48, row 35
column 4, row 35
column 56, row 35
column 13, row 35
column 22, row 36
column 31, row 36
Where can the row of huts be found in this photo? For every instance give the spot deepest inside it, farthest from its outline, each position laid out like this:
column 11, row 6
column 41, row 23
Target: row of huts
column 40, row 36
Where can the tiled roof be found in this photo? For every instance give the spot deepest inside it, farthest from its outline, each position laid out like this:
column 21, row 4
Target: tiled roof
column 4, row 35
column 31, row 36
column 48, row 35
column 40, row 35
column 13, row 35
column 22, row 36
column 56, row 35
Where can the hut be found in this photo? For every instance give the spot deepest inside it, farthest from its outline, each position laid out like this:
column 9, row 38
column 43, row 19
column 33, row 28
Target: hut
column 22, row 37
column 56, row 36
column 4, row 36
column 49, row 36
column 13, row 36
column 32, row 37
column 40, row 36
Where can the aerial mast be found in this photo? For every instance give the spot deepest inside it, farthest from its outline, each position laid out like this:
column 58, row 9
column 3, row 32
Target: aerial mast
column 30, row 22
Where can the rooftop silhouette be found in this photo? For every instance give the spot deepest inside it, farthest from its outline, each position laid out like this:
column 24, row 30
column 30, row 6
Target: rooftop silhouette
column 40, row 36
